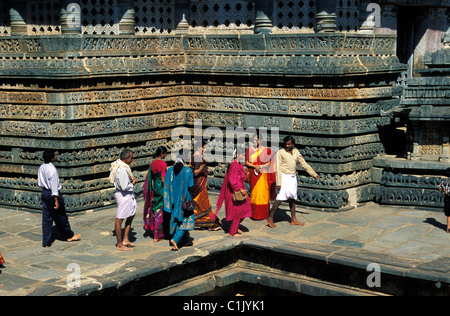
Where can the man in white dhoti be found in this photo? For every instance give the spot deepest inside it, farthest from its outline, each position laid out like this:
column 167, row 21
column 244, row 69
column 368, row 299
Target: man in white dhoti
column 124, row 181
column 286, row 178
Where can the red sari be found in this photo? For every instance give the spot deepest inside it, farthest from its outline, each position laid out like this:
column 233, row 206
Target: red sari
column 2, row 261
column 262, row 185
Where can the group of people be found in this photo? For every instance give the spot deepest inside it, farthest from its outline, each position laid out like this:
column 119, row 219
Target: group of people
column 176, row 197
column 166, row 191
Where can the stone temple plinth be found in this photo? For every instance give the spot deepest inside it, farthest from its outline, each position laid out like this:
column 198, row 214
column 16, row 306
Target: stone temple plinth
column 90, row 96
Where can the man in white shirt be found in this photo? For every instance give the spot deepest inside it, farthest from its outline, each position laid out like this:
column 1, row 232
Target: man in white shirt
column 286, row 177
column 53, row 208
column 124, row 181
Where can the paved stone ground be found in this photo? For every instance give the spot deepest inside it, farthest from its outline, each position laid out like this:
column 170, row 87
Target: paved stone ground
column 402, row 234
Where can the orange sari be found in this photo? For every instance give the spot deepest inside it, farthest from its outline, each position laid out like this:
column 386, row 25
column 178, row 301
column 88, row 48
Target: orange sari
column 2, row 261
column 262, row 185
column 204, row 215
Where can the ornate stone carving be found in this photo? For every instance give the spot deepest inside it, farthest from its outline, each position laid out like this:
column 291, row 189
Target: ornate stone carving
column 106, row 104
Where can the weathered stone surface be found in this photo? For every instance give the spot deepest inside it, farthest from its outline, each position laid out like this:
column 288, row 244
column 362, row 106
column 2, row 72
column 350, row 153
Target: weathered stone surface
column 412, row 179
column 98, row 102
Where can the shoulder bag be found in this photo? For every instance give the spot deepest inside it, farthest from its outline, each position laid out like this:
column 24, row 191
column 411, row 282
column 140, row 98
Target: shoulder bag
column 188, row 206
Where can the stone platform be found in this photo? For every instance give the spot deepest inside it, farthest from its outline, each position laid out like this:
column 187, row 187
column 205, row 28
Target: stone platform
column 408, row 244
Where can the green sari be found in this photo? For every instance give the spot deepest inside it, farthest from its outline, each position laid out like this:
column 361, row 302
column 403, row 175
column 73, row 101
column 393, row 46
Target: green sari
column 154, row 204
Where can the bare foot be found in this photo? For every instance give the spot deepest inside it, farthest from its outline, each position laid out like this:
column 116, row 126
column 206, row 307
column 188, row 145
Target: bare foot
column 74, row 238
column 236, row 235
column 123, row 248
column 296, row 222
column 157, row 240
column 271, row 223
column 239, row 231
column 129, row 244
column 174, row 245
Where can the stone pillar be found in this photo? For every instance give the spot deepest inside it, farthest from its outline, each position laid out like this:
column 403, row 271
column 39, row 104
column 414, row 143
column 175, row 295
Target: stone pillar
column 264, row 11
column 18, row 25
column 326, row 16
column 416, row 137
column 70, row 17
column 445, row 154
column 126, row 16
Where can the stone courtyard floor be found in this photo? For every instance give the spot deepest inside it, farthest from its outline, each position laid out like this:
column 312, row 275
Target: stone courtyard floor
column 414, row 238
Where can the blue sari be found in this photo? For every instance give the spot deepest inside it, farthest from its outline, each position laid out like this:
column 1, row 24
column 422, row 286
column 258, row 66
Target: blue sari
column 174, row 191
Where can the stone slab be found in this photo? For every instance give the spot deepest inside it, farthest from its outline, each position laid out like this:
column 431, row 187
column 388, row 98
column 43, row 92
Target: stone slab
column 399, row 251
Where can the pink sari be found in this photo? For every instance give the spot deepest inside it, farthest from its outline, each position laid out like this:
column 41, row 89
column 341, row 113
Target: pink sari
column 234, row 181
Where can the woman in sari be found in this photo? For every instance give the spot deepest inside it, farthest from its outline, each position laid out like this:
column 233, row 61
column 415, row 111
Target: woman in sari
column 154, row 195
column 204, row 218
column 179, row 179
column 262, row 179
column 236, row 211
column 2, row 261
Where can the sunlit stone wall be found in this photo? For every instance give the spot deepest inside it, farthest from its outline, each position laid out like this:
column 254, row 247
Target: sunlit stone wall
column 91, row 96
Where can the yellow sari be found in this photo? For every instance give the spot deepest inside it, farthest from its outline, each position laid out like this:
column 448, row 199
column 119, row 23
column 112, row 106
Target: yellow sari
column 262, row 185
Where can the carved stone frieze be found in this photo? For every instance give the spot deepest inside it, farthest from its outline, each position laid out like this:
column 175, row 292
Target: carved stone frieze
column 23, row 97
column 81, row 202
column 275, row 54
column 83, row 157
column 311, row 140
column 72, row 144
column 356, row 152
column 410, row 181
column 143, row 101
column 329, row 199
column 91, row 96
column 323, row 198
column 69, row 186
column 65, row 130
column 341, row 127
column 409, row 196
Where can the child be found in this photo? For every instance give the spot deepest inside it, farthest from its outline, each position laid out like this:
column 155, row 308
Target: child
column 444, row 187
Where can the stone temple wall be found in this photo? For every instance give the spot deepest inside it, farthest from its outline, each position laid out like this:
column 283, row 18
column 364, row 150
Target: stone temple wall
column 412, row 179
column 90, row 96
column 91, row 77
